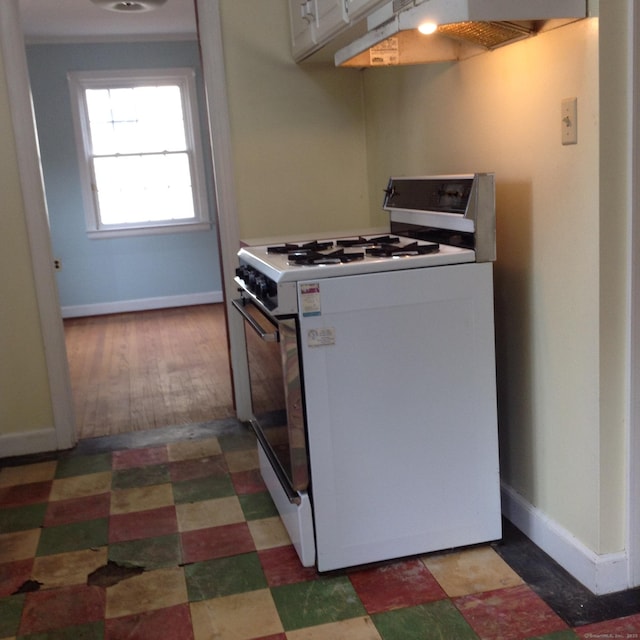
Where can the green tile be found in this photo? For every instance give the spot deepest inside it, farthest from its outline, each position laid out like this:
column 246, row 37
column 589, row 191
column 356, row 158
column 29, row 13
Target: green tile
column 237, row 441
column 73, row 537
column 224, row 577
column 434, row 621
column 140, row 476
column 10, row 613
column 202, row 489
column 150, row 553
column 256, row 506
column 72, row 465
column 22, row 518
column 89, row 631
column 307, row 604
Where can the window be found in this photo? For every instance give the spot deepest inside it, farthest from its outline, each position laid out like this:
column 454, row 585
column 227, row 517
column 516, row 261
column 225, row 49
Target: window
column 139, row 148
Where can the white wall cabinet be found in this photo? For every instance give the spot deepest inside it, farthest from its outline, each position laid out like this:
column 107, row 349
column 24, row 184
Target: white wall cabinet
column 303, row 18
column 332, row 18
column 315, row 22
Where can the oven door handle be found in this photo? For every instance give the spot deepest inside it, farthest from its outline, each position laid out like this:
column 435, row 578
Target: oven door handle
column 264, row 335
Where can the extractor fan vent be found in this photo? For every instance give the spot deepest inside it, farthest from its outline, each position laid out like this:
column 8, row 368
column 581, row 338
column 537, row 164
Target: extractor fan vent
column 489, row 35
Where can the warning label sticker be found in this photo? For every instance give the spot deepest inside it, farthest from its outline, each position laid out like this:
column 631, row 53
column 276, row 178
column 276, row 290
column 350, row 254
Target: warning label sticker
column 321, row 337
column 310, row 299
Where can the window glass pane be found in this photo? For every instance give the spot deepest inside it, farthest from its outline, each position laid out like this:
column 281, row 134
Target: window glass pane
column 160, row 110
column 137, row 119
column 136, row 189
column 98, row 105
column 123, row 105
column 126, row 138
column 103, row 138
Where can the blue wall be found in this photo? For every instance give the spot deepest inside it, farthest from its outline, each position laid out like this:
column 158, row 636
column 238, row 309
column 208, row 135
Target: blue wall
column 112, row 270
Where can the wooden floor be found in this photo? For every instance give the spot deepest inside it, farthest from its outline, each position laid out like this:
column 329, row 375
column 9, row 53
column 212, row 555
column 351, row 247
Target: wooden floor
column 148, row 369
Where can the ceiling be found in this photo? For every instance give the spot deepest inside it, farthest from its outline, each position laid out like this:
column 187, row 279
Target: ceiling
column 81, row 20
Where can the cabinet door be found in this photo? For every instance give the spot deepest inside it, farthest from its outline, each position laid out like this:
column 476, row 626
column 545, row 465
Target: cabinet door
column 303, row 17
column 360, row 8
column 332, row 16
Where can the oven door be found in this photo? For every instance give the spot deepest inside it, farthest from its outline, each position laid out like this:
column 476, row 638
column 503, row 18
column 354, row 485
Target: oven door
column 276, row 394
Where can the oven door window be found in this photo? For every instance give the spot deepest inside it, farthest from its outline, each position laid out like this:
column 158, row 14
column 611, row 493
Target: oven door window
column 276, row 392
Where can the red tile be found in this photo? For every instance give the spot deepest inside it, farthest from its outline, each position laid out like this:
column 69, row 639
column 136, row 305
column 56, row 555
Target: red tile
column 509, row 614
column 143, row 524
column 392, row 586
column 77, row 510
column 59, row 608
column 216, row 542
column 281, row 565
column 198, row 468
column 173, row 623
column 628, row 627
column 19, row 495
column 13, row 575
column 129, row 458
column 248, row 481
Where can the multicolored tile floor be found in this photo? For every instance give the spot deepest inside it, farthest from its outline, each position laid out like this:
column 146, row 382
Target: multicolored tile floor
column 172, row 535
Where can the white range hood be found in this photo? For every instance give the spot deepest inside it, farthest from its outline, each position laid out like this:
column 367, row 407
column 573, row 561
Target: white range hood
column 462, row 28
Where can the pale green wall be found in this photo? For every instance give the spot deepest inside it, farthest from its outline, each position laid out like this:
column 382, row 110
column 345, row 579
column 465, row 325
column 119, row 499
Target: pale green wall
column 560, row 293
column 24, row 391
column 615, row 143
column 298, row 132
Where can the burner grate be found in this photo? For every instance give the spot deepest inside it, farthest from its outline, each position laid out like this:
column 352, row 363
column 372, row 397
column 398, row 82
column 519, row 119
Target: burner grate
column 309, row 257
column 367, row 242
column 398, row 251
column 315, row 245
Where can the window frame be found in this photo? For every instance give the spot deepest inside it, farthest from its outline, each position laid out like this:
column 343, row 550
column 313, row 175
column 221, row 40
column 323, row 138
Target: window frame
column 184, row 78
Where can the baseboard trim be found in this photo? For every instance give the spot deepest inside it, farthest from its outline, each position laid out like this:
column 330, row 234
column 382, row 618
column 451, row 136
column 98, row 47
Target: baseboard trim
column 21, row 443
column 141, row 304
column 601, row 574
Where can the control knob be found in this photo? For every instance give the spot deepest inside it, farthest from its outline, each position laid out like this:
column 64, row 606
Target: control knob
column 243, row 272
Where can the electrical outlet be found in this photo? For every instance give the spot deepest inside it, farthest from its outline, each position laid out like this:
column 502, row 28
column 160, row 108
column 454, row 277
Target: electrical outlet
column 57, row 264
column 569, row 121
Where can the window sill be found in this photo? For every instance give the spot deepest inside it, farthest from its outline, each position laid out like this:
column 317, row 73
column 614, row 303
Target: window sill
column 147, row 230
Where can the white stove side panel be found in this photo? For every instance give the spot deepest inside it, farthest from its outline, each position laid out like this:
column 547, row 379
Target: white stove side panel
column 399, row 373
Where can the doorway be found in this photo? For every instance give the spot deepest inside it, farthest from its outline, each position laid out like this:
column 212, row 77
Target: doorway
column 173, row 373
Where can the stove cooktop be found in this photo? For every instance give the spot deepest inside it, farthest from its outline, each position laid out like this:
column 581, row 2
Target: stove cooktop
column 351, row 249
column 349, row 256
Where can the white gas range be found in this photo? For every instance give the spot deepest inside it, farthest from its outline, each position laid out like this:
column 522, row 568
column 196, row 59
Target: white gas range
column 378, row 433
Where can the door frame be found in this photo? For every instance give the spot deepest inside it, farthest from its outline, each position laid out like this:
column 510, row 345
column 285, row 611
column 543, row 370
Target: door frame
column 633, row 442
column 214, row 74
column 38, row 232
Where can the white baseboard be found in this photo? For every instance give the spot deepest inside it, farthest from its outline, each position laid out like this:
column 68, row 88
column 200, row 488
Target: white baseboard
column 141, row 304
column 606, row 573
column 27, row 442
